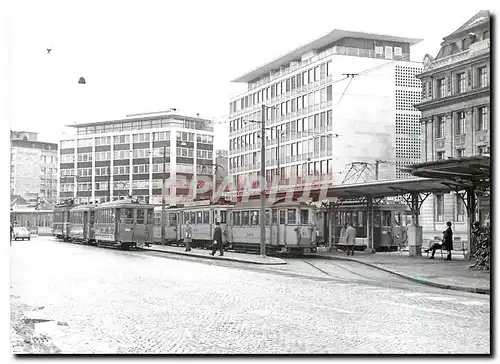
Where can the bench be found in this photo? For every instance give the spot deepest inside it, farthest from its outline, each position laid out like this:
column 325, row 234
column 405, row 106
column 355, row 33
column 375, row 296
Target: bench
column 458, row 245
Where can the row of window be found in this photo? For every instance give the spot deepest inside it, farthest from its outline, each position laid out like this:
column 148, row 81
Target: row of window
column 482, row 122
column 319, row 122
column 460, row 152
column 446, row 86
column 290, row 216
column 311, row 75
column 285, row 108
column 312, row 145
column 140, row 125
column 48, row 159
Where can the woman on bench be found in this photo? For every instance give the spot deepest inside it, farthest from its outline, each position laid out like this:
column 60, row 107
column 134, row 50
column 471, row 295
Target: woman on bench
column 447, row 243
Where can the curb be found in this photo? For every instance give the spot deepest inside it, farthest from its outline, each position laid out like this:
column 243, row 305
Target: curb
column 214, row 257
column 478, row 290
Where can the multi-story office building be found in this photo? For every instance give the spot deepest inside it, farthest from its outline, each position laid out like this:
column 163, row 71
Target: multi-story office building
column 456, row 113
column 125, row 157
column 33, row 170
column 312, row 96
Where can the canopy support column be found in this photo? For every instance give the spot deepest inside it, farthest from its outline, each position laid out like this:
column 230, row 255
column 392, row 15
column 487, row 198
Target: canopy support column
column 369, row 226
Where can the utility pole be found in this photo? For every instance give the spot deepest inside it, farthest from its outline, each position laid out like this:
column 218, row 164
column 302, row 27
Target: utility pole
column 376, row 169
column 163, row 198
column 262, row 179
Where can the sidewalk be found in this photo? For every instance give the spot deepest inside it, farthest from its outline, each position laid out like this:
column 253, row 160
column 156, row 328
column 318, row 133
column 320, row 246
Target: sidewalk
column 229, row 256
column 437, row 272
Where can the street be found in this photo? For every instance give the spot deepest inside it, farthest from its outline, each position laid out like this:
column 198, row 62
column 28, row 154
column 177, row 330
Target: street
column 88, row 300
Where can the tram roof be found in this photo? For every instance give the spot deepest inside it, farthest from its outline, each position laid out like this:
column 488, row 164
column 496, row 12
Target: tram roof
column 123, row 203
column 84, row 207
column 255, row 204
column 388, row 188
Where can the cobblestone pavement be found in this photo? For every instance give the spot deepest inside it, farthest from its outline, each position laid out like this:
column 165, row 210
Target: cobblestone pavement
column 93, row 300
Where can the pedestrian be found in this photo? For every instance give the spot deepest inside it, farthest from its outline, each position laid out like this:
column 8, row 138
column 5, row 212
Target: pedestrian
column 446, row 243
column 189, row 236
column 350, row 238
column 448, row 240
column 217, row 240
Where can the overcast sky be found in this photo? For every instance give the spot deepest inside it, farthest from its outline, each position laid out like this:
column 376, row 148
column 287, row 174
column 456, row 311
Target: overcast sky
column 146, row 56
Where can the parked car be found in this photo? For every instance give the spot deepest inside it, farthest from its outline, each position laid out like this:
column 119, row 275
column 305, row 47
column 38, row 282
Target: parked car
column 21, row 233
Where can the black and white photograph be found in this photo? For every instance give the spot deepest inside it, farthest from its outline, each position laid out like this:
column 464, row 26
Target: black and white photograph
column 248, row 178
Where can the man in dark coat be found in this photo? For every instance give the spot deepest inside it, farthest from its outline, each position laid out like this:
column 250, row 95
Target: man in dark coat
column 448, row 240
column 447, row 243
column 217, row 240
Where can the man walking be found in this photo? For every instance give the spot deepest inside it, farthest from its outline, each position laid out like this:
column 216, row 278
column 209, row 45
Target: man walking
column 350, row 238
column 217, row 240
column 189, row 236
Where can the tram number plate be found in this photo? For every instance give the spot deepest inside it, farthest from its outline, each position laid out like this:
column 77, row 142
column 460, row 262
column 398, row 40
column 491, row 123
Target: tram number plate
column 250, row 234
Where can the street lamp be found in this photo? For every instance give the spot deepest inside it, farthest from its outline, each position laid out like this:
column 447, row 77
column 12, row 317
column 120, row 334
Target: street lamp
column 164, row 177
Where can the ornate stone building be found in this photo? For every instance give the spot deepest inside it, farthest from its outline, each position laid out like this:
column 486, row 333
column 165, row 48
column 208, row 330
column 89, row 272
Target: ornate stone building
column 456, row 113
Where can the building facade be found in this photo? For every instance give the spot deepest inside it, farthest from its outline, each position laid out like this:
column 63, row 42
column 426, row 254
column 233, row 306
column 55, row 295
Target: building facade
column 222, row 162
column 456, row 114
column 125, row 157
column 33, row 171
column 343, row 98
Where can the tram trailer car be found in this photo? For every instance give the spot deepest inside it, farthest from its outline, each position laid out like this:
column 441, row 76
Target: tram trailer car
column 170, row 225
column 203, row 221
column 82, row 224
column 390, row 223
column 61, row 224
column 289, row 231
column 124, row 224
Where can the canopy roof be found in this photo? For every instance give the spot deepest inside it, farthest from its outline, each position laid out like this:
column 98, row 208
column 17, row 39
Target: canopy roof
column 461, row 171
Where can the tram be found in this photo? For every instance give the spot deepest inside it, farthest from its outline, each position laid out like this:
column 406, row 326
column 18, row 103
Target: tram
column 289, row 227
column 124, row 224
column 390, row 223
column 202, row 216
column 61, row 222
column 81, row 224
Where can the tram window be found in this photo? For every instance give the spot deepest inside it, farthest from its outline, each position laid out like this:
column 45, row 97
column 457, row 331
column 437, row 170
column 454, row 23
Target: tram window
column 397, row 218
column 157, row 219
column 255, row 218
column 337, row 219
column 192, row 217
column 376, row 218
column 199, row 217
column 223, row 217
column 150, row 216
column 282, row 217
column 236, row 218
column 386, row 218
column 304, row 217
column 128, row 214
column 275, row 216
column 92, row 217
column 244, row 218
column 267, row 217
column 361, row 218
column 140, row 216
column 172, row 219
column 292, row 216
column 206, row 217
column 186, row 217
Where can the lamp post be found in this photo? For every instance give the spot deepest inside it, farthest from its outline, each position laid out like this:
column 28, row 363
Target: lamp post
column 163, row 197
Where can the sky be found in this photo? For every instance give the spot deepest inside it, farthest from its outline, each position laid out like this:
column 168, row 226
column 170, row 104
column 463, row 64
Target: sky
column 148, row 56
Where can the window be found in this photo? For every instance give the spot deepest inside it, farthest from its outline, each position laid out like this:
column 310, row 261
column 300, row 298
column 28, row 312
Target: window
column 245, row 218
column 441, row 87
column 460, row 153
column 482, row 150
column 282, row 217
column 254, row 218
column 483, row 119
column 291, row 216
column 441, row 127
column 121, row 139
column 460, row 123
column 140, row 216
column 304, row 217
column 236, row 218
column 440, row 156
column 482, row 77
column 461, row 82
column 439, row 209
column 460, row 209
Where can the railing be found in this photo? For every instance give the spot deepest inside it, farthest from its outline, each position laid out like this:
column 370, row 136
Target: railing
column 471, row 51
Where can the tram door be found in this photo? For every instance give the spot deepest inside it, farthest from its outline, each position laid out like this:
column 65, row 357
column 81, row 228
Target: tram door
column 85, row 224
column 274, row 227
